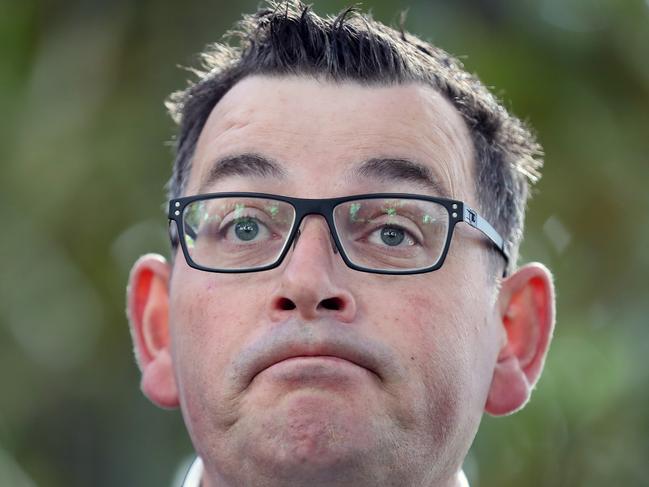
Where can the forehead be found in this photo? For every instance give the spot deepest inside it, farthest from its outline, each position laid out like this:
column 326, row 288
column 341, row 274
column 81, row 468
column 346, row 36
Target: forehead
column 319, row 131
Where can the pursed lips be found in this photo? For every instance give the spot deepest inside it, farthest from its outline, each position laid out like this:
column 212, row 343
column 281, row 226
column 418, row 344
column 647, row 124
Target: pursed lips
column 309, row 362
column 324, row 349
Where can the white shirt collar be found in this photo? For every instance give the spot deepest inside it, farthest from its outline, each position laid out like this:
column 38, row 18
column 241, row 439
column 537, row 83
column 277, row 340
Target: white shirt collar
column 464, row 482
column 195, row 473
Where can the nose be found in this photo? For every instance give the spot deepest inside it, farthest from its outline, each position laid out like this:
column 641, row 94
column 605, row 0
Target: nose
column 311, row 284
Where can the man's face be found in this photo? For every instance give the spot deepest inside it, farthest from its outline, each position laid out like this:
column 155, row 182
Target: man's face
column 312, row 365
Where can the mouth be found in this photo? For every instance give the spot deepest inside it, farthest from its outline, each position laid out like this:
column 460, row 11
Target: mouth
column 319, row 371
column 290, row 356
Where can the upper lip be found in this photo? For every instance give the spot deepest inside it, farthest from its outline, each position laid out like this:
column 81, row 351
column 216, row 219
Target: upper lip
column 285, row 346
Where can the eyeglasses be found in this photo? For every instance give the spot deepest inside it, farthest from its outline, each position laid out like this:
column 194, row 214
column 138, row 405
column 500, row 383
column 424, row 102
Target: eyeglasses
column 384, row 233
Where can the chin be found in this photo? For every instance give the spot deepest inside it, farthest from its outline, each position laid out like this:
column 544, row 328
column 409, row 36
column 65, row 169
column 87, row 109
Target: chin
column 312, row 432
column 312, row 437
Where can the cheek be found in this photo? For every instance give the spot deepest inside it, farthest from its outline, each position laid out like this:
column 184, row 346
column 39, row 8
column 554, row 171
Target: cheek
column 210, row 313
column 429, row 328
column 209, row 322
column 437, row 338
column 201, row 327
column 440, row 345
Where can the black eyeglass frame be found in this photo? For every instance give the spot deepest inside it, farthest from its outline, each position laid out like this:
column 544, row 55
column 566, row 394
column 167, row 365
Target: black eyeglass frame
column 458, row 212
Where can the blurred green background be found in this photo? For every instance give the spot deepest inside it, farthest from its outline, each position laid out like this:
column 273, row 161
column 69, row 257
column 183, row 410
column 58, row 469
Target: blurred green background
column 84, row 158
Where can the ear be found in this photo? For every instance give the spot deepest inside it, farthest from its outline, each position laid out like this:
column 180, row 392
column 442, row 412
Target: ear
column 526, row 312
column 148, row 314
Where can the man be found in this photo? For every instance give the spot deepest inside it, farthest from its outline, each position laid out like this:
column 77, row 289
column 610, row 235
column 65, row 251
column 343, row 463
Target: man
column 342, row 303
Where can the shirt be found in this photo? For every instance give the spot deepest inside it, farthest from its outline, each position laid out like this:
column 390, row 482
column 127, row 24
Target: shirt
column 195, row 473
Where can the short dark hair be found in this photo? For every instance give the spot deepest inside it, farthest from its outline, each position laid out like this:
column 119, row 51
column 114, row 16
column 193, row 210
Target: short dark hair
column 288, row 38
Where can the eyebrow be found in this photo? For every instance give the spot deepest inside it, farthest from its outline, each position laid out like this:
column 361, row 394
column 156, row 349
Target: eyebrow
column 245, row 165
column 386, row 170
column 390, row 170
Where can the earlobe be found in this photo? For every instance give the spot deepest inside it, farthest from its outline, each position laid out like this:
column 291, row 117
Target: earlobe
column 527, row 317
column 148, row 313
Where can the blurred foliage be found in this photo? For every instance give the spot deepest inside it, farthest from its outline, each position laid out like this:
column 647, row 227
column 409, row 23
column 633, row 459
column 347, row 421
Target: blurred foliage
column 83, row 163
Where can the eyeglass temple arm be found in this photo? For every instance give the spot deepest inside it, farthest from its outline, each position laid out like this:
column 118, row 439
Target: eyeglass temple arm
column 476, row 221
column 173, row 232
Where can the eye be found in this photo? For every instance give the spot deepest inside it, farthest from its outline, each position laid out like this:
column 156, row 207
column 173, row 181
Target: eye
column 391, row 236
column 245, row 229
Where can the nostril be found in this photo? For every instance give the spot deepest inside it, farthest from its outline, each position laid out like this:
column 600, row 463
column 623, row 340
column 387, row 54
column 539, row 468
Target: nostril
column 333, row 304
column 286, row 304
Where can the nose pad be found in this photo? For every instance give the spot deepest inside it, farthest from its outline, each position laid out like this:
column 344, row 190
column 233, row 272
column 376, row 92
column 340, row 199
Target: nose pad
column 334, row 247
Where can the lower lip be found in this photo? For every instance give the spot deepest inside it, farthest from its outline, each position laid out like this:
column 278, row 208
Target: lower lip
column 315, row 370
